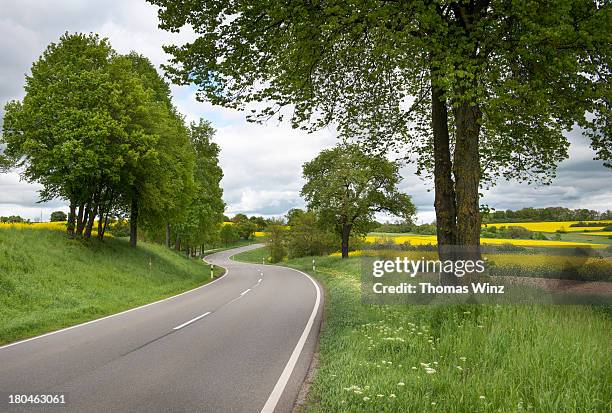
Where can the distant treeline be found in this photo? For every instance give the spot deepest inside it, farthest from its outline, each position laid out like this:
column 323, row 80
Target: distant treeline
column 14, row 219
column 550, row 214
column 545, row 214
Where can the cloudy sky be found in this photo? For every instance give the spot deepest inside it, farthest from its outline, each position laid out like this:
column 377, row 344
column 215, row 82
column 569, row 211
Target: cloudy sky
column 261, row 163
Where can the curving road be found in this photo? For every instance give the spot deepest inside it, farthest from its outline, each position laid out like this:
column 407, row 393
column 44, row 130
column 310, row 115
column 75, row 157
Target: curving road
column 242, row 343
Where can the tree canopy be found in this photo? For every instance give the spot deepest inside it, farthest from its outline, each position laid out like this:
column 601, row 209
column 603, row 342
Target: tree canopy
column 477, row 89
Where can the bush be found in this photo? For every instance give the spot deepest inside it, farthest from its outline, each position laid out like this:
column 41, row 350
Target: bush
column 425, row 229
column 246, row 229
column 308, row 237
column 121, row 228
column 539, row 236
column 228, row 234
column 275, row 241
column 58, row 216
column 518, row 233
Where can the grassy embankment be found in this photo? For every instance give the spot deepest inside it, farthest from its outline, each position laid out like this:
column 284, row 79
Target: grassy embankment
column 48, row 282
column 454, row 358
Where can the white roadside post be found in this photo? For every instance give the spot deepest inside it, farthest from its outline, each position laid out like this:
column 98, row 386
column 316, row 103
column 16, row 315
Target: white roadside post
column 263, row 261
column 211, row 271
column 314, row 267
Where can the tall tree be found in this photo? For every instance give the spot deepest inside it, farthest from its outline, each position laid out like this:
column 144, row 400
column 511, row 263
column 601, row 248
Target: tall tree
column 203, row 215
column 99, row 129
column 158, row 186
column 74, row 128
column 348, row 186
column 478, row 88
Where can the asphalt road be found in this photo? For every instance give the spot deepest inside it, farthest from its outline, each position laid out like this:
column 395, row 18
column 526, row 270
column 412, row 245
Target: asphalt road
column 242, row 343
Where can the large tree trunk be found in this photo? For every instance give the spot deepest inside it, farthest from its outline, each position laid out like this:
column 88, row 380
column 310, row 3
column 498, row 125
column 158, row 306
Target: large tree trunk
column 134, row 222
column 446, row 214
column 103, row 230
column 167, row 235
column 101, row 224
column 346, row 233
column 71, row 219
column 103, row 210
column 91, row 217
column 80, row 224
column 466, row 169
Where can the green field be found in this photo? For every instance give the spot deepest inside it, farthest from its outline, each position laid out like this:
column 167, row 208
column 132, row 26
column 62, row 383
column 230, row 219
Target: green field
column 595, row 239
column 454, row 358
column 48, row 281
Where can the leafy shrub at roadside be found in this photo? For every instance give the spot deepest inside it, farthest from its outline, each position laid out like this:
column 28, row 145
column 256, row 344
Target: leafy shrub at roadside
column 228, row 234
column 275, row 240
column 307, row 236
column 120, row 228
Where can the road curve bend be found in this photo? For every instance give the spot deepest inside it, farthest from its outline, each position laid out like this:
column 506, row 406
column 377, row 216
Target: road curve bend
column 242, row 343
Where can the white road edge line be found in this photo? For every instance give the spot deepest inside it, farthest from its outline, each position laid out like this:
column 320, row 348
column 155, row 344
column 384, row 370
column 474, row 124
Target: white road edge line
column 244, row 292
column 258, row 281
column 117, row 314
column 279, row 388
column 191, row 321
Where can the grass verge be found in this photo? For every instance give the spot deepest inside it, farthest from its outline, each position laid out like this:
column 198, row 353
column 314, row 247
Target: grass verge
column 453, row 358
column 48, row 282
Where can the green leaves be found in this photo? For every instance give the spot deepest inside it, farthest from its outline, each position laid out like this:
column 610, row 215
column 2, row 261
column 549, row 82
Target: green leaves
column 349, row 186
column 534, row 68
column 99, row 129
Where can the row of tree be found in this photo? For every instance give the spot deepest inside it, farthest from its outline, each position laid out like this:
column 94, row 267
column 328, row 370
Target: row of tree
column 241, row 226
column 99, row 129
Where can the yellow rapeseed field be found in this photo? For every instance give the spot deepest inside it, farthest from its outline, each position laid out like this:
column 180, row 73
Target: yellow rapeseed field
column 548, row 226
column 431, row 239
column 58, row 226
column 53, row 226
column 529, row 262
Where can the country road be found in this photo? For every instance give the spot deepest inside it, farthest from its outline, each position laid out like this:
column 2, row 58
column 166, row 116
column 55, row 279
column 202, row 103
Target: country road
column 242, row 343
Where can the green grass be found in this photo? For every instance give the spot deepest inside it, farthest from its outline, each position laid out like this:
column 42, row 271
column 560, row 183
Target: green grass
column 239, row 243
column 255, row 256
column 49, row 282
column 520, row 358
column 593, row 239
